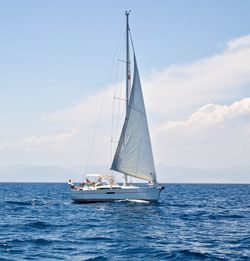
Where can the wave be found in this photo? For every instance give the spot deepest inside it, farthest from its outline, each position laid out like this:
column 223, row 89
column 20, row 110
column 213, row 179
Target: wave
column 21, row 203
column 97, row 258
column 140, row 201
column 186, row 254
column 33, row 202
column 97, row 239
column 42, row 224
column 226, row 216
column 41, row 241
column 38, row 224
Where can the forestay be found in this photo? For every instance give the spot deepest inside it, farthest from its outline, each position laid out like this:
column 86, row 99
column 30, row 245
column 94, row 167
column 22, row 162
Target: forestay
column 134, row 155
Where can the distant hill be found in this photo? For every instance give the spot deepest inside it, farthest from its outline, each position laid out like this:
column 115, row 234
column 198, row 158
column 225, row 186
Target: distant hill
column 166, row 174
column 198, row 175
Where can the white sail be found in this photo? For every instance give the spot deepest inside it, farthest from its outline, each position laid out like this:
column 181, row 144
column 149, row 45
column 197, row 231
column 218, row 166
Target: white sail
column 134, row 155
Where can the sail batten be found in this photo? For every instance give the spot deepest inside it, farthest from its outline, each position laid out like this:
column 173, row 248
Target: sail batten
column 134, row 155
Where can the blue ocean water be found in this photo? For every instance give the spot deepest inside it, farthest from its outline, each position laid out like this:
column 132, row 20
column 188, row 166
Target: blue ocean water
column 191, row 222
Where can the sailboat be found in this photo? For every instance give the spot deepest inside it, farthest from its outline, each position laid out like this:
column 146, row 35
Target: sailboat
column 133, row 156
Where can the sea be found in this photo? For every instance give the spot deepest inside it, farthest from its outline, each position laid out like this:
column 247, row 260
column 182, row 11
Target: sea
column 38, row 221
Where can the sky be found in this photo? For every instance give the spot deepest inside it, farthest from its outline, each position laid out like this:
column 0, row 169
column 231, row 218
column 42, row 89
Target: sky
column 57, row 71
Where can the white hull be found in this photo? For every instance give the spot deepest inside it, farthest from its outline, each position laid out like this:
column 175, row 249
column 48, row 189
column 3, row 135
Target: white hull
column 150, row 193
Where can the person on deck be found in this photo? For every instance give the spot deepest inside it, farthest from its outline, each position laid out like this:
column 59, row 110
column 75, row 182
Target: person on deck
column 71, row 184
column 88, row 182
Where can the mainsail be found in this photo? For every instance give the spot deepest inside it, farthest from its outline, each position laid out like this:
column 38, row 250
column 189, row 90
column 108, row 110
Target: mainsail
column 134, row 155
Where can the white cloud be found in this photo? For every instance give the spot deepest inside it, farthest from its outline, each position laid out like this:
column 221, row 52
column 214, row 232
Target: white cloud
column 4, row 145
column 182, row 88
column 211, row 115
column 85, row 112
column 59, row 139
column 213, row 136
column 41, row 142
column 240, row 42
column 176, row 90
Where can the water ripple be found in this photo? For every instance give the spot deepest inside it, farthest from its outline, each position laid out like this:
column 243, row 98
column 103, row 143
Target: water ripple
column 191, row 222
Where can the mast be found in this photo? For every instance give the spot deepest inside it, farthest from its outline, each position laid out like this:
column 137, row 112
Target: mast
column 134, row 155
column 128, row 72
column 128, row 75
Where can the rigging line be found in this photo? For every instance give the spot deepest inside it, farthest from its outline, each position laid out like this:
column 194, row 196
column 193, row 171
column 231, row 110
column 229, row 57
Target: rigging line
column 112, row 126
column 120, row 115
column 95, row 131
column 131, row 40
column 113, row 107
column 102, row 104
column 119, row 104
column 118, row 98
column 115, row 124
